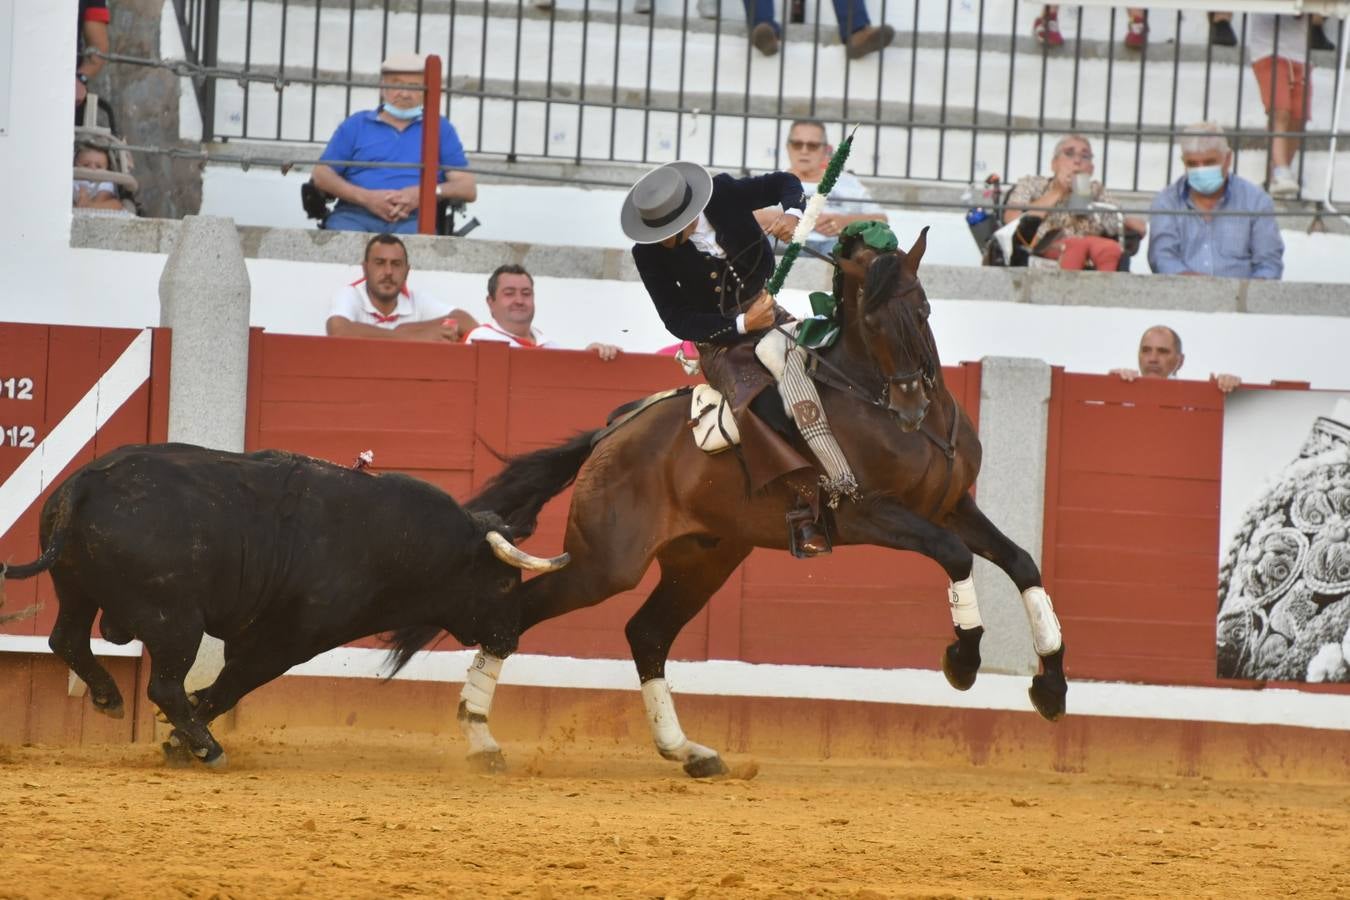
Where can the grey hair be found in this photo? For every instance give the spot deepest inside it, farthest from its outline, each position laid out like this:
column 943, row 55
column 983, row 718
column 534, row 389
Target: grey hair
column 1176, row 338
column 1059, row 145
column 1203, row 137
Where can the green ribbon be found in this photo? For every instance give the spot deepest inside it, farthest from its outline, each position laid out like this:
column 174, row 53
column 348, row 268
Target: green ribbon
column 832, row 171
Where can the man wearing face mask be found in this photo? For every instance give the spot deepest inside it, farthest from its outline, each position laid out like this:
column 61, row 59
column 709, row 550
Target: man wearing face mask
column 1229, row 246
column 385, row 199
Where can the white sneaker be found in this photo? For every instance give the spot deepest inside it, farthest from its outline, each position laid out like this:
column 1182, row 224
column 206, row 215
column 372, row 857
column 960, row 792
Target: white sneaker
column 707, row 9
column 1283, row 186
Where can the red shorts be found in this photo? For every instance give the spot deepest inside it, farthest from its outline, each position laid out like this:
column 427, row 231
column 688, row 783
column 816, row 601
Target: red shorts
column 1284, row 85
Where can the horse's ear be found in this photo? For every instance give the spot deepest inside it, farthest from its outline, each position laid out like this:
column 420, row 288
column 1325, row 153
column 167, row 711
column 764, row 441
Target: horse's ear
column 915, row 254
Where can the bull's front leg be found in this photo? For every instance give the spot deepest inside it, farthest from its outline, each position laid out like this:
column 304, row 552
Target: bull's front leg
column 475, row 705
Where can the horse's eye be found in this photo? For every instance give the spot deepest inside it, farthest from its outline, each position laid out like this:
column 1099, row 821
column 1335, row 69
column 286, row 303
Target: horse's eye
column 870, row 320
column 925, row 309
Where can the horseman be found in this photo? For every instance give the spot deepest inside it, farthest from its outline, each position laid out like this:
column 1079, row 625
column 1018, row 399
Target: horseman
column 705, row 261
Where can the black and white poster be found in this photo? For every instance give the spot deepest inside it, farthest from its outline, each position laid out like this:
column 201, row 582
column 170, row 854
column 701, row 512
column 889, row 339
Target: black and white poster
column 1284, row 537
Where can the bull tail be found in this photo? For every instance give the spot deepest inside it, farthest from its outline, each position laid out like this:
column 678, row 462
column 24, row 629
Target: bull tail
column 44, row 562
column 519, row 491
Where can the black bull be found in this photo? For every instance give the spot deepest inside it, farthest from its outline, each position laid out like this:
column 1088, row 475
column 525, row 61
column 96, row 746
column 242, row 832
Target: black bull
column 280, row 556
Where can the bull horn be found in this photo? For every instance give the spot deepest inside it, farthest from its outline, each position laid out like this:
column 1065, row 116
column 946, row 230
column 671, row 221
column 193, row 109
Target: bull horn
column 508, row 552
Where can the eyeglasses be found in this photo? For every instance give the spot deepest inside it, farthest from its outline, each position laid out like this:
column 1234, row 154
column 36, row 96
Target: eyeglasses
column 1071, row 153
column 808, row 146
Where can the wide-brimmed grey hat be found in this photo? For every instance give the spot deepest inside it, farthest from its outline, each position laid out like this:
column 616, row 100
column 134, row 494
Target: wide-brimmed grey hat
column 664, row 201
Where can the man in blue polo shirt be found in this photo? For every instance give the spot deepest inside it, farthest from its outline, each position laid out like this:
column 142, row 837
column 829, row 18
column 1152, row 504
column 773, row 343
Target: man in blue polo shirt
column 385, row 199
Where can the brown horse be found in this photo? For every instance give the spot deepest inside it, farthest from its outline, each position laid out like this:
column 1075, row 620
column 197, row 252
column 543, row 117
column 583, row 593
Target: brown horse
column 645, row 492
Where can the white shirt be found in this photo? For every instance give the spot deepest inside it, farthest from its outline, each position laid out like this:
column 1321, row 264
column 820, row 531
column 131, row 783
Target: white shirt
column 491, row 331
column 1261, row 37
column 352, row 302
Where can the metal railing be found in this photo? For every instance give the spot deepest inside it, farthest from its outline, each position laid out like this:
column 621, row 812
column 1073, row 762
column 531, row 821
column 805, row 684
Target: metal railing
column 963, row 91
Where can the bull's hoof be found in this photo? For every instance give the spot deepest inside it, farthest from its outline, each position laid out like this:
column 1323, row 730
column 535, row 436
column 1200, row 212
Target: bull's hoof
column 1048, row 696
column 705, row 767
column 176, row 755
column 487, row 762
column 959, row 676
column 113, row 708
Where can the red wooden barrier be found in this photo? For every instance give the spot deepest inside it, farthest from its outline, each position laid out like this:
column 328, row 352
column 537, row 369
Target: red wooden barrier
column 1132, row 527
column 45, row 372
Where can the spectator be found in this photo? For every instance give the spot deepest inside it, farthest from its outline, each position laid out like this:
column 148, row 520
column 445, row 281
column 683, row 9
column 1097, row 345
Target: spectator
column 1228, row 246
column 1072, row 238
column 381, row 305
column 385, row 199
column 95, row 193
column 510, row 301
column 1046, row 28
column 92, row 35
column 809, row 153
column 1160, row 356
column 1278, row 47
column 858, row 35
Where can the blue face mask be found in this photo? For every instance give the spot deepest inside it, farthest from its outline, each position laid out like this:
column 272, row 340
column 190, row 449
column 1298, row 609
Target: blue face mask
column 406, row 115
column 1205, row 179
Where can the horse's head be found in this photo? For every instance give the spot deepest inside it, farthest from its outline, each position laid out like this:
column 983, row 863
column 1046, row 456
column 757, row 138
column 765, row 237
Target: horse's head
column 894, row 325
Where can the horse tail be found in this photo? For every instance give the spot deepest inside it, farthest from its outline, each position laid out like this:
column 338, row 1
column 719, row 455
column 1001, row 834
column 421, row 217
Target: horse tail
column 530, row 480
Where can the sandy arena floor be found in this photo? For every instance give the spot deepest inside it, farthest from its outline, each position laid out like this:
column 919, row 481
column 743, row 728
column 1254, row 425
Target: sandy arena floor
column 369, row 813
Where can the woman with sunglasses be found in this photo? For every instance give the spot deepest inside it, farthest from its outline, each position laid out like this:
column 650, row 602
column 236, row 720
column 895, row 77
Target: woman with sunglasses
column 1078, row 218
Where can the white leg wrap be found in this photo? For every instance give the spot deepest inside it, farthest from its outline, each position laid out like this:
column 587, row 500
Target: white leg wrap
column 665, row 725
column 965, row 608
column 481, row 684
column 1045, row 636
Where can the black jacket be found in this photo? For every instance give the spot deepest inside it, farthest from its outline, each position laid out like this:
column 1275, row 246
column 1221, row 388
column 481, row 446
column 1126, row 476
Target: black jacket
column 689, row 286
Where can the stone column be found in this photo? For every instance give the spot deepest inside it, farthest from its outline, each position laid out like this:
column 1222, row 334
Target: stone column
column 1014, row 418
column 204, row 299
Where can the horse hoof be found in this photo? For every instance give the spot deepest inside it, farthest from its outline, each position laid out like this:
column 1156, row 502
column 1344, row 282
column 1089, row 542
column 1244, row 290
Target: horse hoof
column 488, row 762
column 176, row 756
column 114, row 710
column 217, row 762
column 959, row 676
column 705, row 767
column 1048, row 697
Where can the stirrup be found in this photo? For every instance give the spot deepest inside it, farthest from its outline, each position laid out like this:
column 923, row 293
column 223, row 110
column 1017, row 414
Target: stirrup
column 800, row 521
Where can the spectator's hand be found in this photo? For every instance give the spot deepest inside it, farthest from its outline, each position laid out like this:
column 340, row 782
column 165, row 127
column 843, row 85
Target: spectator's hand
column 760, row 314
column 604, row 351
column 84, row 198
column 782, row 227
column 384, row 204
column 1126, row 374
column 1225, row 383
column 829, row 224
column 438, row 330
column 80, row 92
column 409, row 198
